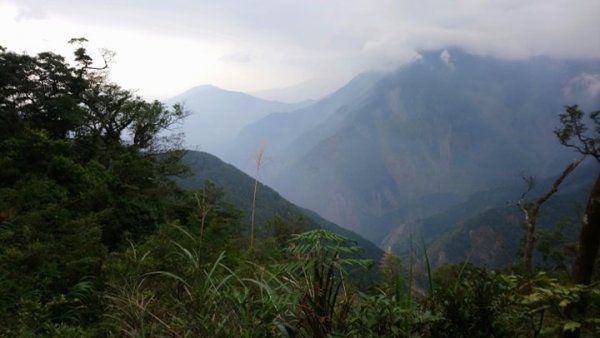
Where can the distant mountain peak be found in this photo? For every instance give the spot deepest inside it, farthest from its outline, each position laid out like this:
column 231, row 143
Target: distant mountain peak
column 208, row 88
column 435, row 130
column 217, row 115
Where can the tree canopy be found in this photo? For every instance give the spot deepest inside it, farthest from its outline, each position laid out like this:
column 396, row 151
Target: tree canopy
column 83, row 169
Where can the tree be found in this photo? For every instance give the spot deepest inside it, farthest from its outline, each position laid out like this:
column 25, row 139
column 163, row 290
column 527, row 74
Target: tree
column 574, row 133
column 82, row 166
column 39, row 92
column 531, row 209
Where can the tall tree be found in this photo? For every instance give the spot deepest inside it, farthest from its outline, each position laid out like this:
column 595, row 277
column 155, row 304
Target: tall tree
column 531, row 209
column 575, row 133
column 82, row 166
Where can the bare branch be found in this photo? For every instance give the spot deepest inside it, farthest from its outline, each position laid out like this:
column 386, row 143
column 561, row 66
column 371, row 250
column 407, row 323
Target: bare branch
column 530, row 209
column 530, row 181
column 559, row 180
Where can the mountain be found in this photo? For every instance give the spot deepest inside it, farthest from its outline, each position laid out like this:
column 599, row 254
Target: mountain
column 486, row 228
column 308, row 90
column 217, row 115
column 276, row 132
column 396, row 147
column 238, row 188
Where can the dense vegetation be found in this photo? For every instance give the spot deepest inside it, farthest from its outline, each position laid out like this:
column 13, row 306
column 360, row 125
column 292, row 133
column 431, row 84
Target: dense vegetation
column 96, row 240
column 238, row 187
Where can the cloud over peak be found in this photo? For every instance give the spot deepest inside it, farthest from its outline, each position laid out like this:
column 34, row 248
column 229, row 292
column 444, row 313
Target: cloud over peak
column 249, row 45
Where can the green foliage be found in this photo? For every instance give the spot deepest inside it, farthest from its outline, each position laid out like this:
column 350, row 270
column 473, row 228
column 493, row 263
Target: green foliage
column 73, row 185
column 391, row 269
column 193, row 296
column 198, row 296
column 546, row 302
column 574, row 132
column 552, row 246
column 470, row 302
column 320, row 260
column 272, row 210
column 384, row 315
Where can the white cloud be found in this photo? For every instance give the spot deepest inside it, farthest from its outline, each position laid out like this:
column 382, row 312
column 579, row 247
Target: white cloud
column 445, row 58
column 587, row 85
column 249, row 45
column 29, row 13
column 239, row 57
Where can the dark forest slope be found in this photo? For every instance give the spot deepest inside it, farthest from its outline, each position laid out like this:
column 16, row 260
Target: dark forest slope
column 238, row 188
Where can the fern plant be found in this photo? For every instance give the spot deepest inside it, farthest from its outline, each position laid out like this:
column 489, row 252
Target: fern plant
column 320, row 264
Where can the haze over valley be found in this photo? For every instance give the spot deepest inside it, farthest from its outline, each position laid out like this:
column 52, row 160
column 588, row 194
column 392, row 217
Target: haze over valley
column 390, row 148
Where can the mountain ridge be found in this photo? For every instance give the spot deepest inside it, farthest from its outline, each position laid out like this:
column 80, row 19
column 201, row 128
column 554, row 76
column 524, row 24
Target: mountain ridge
column 437, row 127
column 217, row 115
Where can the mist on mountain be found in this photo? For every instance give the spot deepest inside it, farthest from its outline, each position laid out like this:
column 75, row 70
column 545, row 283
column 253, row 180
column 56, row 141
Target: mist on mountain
column 217, row 115
column 391, row 147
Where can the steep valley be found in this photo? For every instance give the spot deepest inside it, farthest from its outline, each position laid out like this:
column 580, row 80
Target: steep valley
column 402, row 153
column 416, row 140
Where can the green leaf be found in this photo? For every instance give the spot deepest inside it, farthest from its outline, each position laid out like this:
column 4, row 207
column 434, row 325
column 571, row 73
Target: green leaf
column 571, row 326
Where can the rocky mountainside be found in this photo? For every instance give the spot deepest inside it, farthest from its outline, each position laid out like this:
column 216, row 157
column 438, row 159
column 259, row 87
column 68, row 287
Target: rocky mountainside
column 486, row 229
column 282, row 132
column 395, row 147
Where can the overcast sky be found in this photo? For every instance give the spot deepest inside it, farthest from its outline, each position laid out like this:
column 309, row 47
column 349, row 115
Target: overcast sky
column 165, row 47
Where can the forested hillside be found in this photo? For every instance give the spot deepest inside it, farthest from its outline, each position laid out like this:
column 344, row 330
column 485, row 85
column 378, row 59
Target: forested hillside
column 408, row 143
column 486, row 228
column 271, row 208
column 98, row 240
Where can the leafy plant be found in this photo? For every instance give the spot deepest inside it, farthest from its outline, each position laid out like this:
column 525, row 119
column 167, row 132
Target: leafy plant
column 320, row 262
column 470, row 302
column 546, row 303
